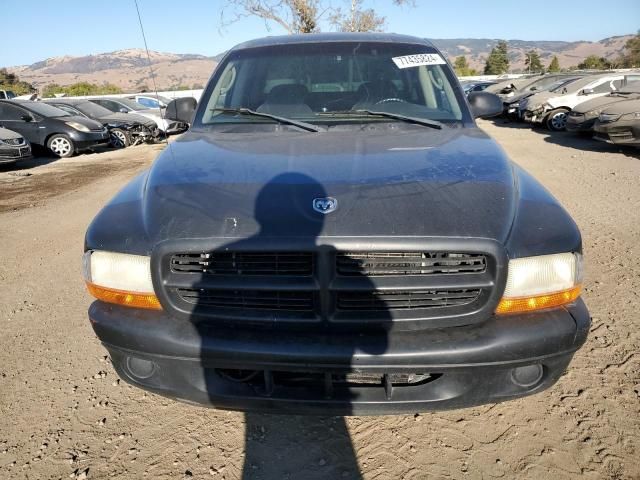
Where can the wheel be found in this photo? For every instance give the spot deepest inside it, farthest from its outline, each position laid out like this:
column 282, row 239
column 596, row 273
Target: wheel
column 557, row 119
column 61, row 145
column 119, row 138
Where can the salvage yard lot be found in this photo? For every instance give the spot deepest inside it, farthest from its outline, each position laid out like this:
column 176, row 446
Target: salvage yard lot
column 63, row 412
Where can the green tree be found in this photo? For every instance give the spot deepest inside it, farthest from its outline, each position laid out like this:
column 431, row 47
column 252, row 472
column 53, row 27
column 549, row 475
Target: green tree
column 593, row 62
column 10, row 81
column 554, row 66
column 532, row 62
column 462, row 67
column 80, row 89
column 498, row 60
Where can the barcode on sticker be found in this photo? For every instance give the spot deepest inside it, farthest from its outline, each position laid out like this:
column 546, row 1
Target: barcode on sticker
column 418, row 59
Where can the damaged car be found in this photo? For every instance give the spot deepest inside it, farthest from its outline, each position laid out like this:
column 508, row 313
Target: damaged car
column 551, row 108
column 127, row 105
column 512, row 103
column 125, row 129
column 619, row 124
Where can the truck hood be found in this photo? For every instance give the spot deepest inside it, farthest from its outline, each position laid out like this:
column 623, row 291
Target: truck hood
column 388, row 179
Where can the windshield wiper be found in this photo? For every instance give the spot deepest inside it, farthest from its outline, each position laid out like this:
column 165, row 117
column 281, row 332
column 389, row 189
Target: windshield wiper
column 283, row 120
column 396, row 116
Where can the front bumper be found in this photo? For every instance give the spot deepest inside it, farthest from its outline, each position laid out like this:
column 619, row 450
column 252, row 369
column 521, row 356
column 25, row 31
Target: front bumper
column 304, row 372
column 621, row 132
column 11, row 154
column 580, row 123
column 534, row 116
column 87, row 140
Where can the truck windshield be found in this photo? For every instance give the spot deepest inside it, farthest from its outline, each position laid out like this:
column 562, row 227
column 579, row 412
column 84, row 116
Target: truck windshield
column 329, row 82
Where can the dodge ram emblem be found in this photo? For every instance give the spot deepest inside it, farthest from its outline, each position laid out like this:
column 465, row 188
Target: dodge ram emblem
column 325, row 205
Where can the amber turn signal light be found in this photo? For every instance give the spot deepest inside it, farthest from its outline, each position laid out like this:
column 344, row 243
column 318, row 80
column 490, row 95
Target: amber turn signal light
column 121, row 297
column 538, row 302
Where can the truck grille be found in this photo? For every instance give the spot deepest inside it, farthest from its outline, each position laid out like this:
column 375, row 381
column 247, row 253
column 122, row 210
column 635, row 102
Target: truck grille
column 408, row 263
column 378, row 300
column 244, row 263
column 348, row 287
column 253, row 299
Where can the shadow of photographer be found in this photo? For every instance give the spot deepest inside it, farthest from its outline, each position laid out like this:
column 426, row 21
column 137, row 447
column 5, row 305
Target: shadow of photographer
column 293, row 446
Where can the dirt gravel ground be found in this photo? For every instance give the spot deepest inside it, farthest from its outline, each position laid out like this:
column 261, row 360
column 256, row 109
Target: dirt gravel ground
column 64, row 414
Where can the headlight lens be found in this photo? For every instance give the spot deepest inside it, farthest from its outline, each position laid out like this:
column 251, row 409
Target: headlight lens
column 78, row 126
column 631, row 116
column 608, row 117
column 120, row 278
column 545, row 281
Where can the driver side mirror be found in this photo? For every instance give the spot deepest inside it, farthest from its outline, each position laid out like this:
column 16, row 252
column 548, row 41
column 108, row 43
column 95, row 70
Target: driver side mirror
column 586, row 91
column 181, row 109
column 27, row 118
column 485, row 104
column 123, row 110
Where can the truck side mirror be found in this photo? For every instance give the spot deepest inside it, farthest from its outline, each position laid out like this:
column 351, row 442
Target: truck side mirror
column 485, row 104
column 181, row 109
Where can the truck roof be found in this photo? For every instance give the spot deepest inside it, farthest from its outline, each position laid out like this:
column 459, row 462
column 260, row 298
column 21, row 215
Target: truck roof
column 333, row 37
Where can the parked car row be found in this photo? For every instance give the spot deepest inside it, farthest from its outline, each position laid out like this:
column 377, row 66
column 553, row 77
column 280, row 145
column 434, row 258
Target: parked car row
column 66, row 126
column 606, row 105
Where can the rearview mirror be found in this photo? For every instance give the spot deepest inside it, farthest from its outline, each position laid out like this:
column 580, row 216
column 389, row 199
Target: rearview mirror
column 485, row 104
column 181, row 109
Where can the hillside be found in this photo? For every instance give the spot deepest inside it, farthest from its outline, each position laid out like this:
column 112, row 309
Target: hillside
column 568, row 53
column 128, row 68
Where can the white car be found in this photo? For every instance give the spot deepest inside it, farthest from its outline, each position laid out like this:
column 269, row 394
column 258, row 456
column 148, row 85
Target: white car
column 126, row 105
column 551, row 108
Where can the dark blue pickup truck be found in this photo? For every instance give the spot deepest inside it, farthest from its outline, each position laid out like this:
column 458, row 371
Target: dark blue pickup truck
column 335, row 235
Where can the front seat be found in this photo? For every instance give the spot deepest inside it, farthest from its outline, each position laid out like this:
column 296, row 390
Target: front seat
column 286, row 101
column 371, row 92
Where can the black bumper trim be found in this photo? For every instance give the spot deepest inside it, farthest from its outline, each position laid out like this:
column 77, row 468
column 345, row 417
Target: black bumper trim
column 474, row 363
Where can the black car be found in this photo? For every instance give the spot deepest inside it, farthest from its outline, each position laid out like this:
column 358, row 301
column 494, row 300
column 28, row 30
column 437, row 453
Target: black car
column 619, row 123
column 335, row 235
column 125, row 129
column 47, row 126
column 13, row 147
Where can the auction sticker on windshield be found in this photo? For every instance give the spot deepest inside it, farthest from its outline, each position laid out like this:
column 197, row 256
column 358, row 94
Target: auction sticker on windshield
column 418, row 60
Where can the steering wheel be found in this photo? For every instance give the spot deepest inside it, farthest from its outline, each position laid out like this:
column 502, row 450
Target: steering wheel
column 390, row 100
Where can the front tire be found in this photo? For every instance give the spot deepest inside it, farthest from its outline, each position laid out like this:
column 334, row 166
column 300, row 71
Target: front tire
column 61, row 145
column 557, row 119
column 119, row 138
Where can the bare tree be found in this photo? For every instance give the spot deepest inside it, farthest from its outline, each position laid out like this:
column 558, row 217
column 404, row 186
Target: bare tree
column 303, row 16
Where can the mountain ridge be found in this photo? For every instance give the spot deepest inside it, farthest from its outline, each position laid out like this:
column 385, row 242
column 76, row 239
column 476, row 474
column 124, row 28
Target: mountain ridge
column 128, row 68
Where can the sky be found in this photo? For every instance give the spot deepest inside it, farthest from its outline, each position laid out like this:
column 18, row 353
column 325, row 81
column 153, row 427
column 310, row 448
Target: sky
column 50, row 28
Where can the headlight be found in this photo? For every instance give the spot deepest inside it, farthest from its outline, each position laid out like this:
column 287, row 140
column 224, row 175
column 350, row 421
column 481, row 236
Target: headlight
column 78, row 126
column 630, row 116
column 120, row 278
column 545, row 281
column 608, row 117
